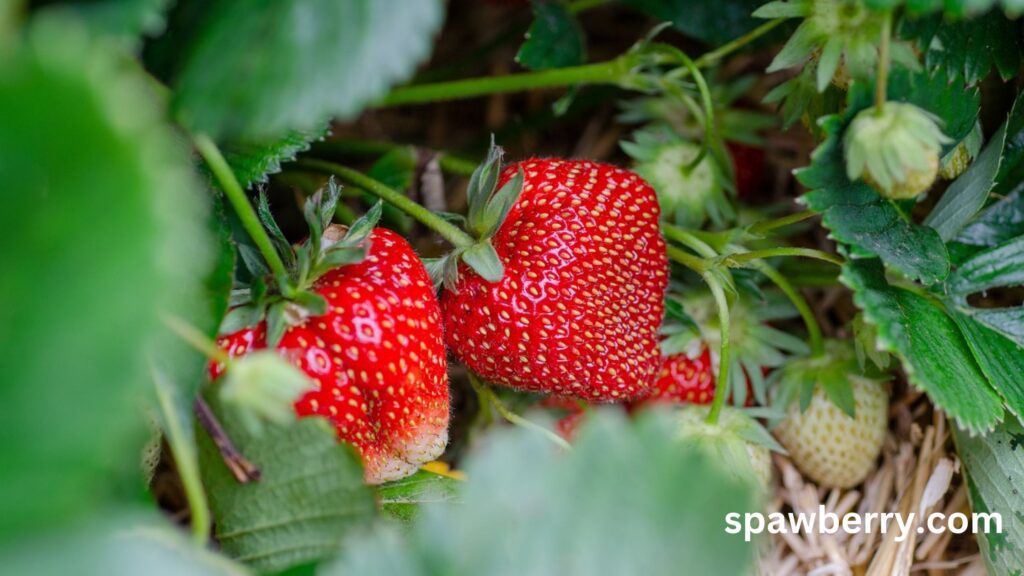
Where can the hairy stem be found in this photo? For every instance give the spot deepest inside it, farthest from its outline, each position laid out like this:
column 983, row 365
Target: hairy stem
column 448, row 162
column 741, row 259
column 446, row 229
column 233, row 190
column 765, row 226
column 724, row 50
column 683, row 257
column 492, row 399
column 688, row 239
column 882, row 82
column 184, row 459
column 610, row 72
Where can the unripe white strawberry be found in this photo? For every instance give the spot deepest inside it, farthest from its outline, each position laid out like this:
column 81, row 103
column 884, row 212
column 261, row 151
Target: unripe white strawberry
column 736, row 441
column 826, row 443
column 895, row 149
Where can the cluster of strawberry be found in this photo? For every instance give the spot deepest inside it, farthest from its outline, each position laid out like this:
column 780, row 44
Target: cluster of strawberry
column 576, row 312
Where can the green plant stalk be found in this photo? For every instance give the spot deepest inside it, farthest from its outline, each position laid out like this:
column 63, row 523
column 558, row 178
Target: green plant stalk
column 800, row 303
column 688, row 239
column 446, row 229
column 448, row 162
column 724, row 50
column 609, row 72
column 196, row 339
column 705, row 96
column 765, row 226
column 882, row 82
column 724, row 359
column 683, row 257
column 743, row 258
column 188, row 471
column 484, row 391
column 233, row 190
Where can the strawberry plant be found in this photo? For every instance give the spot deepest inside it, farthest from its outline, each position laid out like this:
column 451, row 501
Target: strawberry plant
column 558, row 286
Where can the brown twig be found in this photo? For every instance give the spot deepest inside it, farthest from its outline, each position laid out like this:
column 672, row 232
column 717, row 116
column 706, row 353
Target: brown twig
column 243, row 470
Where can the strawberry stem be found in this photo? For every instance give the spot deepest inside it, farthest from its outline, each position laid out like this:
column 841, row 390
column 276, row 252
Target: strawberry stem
column 765, row 226
column 800, row 303
column 711, row 58
column 609, row 72
column 722, row 378
column 683, row 257
column 196, row 339
column 882, row 83
column 240, row 202
column 492, row 399
column 743, row 258
column 188, row 472
column 445, row 229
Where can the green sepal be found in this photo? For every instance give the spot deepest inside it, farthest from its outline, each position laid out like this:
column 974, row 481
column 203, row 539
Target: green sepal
column 241, row 317
column 832, row 371
column 284, row 248
column 482, row 183
column 484, row 260
column 497, row 207
column 360, row 230
column 311, row 302
column 339, row 255
column 277, row 322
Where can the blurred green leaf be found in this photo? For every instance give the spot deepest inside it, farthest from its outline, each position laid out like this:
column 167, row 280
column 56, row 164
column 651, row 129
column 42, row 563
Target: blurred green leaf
column 255, row 72
column 554, row 40
column 309, row 496
column 124, row 544
column 252, row 163
column 994, row 464
column 127, row 20
column 103, row 231
column 403, row 499
column 623, row 501
column 928, row 342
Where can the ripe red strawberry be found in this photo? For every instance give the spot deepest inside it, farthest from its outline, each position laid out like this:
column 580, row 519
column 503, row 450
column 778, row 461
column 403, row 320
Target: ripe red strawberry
column 685, row 379
column 578, row 307
column 376, row 356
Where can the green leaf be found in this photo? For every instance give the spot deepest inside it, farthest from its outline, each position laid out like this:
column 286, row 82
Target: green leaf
column 621, row 502
column 994, row 464
column 1001, row 266
column 713, row 22
column 123, row 544
column 554, row 40
column 104, row 230
column 1001, row 359
column 1000, row 162
column 403, row 499
column 126, row 20
column 1001, row 221
column 255, row 73
column 309, row 497
column 254, row 162
column 484, row 260
column 968, row 49
column 928, row 342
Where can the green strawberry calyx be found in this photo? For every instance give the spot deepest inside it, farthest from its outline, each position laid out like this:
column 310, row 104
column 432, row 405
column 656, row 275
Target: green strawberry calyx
column 288, row 300
column 833, row 371
column 489, row 205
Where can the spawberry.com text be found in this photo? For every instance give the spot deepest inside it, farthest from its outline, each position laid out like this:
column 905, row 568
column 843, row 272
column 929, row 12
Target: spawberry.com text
column 825, row 522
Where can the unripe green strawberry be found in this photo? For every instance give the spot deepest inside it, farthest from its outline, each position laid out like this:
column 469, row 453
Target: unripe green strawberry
column 956, row 161
column 826, row 443
column 895, row 149
column 737, row 441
